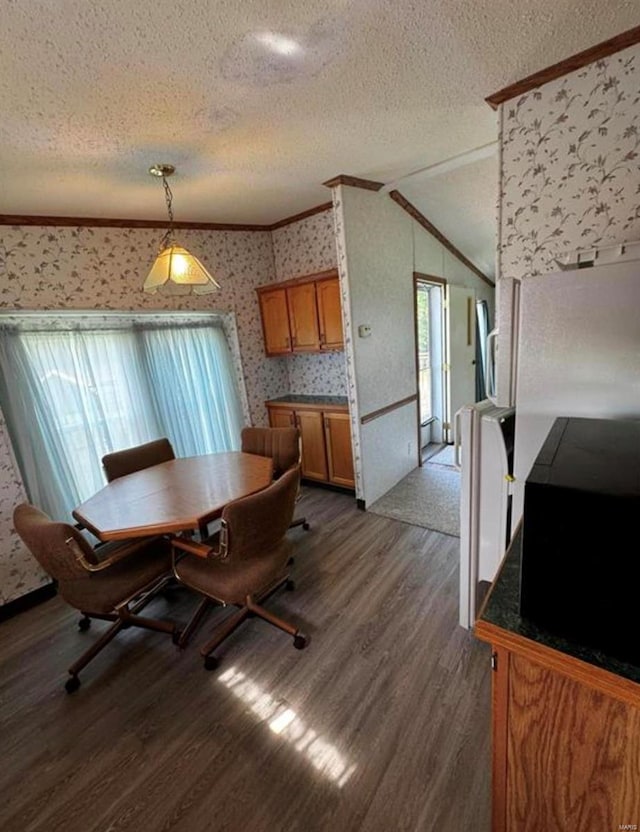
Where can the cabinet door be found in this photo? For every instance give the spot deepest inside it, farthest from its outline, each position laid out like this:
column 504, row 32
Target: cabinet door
column 337, row 428
column 314, row 458
column 281, row 417
column 330, row 314
column 275, row 321
column 303, row 318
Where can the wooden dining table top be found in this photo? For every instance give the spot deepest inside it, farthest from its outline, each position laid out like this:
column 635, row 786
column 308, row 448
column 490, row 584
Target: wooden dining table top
column 174, row 496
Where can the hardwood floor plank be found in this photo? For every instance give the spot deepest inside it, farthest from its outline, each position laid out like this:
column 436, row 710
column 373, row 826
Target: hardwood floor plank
column 381, row 724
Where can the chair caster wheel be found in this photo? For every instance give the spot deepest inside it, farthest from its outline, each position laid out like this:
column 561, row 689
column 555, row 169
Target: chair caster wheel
column 84, row 624
column 290, row 562
column 210, row 663
column 290, row 585
column 300, row 641
column 176, row 635
column 306, row 526
column 72, row 684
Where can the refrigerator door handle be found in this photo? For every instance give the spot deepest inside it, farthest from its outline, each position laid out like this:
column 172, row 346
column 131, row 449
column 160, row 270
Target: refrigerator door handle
column 490, row 367
column 457, row 440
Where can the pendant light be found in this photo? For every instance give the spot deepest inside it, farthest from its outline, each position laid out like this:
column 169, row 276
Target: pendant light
column 174, row 263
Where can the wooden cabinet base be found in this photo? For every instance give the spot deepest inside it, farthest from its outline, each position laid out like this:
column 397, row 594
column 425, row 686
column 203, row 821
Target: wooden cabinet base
column 566, row 754
column 325, row 433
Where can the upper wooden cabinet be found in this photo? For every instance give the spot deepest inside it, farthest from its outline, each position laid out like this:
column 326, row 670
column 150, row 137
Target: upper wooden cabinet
column 302, row 315
column 303, row 318
column 330, row 313
column 275, row 321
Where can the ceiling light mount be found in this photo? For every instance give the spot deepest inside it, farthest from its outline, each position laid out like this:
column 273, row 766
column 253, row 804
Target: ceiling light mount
column 161, row 170
column 174, row 264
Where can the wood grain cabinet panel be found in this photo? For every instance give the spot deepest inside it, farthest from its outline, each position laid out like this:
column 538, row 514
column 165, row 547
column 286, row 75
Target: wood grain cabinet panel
column 303, row 318
column 281, row 417
column 314, row 455
column 275, row 321
column 302, row 315
column 330, row 314
column 566, row 756
column 337, row 429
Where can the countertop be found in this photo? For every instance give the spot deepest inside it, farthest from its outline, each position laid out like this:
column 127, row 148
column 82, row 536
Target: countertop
column 322, row 401
column 502, row 610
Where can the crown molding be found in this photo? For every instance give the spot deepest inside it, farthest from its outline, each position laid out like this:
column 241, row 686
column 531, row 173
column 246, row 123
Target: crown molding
column 420, row 218
column 353, row 182
column 109, row 222
column 577, row 61
column 319, row 209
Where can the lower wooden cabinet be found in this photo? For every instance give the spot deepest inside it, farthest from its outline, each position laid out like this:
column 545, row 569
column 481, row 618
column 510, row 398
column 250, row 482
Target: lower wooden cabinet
column 325, row 436
column 337, row 431
column 314, row 456
column 566, row 748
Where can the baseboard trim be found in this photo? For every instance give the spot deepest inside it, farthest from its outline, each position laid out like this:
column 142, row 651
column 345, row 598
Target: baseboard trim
column 26, row 602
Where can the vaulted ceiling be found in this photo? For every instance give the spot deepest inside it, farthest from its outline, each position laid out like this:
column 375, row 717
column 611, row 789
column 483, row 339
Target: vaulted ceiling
column 257, row 102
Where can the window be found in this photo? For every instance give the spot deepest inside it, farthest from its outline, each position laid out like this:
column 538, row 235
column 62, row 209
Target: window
column 72, row 394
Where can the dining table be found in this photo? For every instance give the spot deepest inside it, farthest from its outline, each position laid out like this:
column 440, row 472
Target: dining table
column 180, row 495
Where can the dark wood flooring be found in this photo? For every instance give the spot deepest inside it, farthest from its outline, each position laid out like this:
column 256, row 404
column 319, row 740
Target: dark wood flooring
column 382, row 723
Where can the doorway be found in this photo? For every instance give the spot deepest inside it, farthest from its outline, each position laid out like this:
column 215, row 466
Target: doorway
column 430, row 362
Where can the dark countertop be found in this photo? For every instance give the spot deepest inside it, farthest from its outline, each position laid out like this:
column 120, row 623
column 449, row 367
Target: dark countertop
column 293, row 398
column 502, row 610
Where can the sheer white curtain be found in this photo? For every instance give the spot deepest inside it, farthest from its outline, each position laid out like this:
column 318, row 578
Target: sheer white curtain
column 69, row 397
column 193, row 386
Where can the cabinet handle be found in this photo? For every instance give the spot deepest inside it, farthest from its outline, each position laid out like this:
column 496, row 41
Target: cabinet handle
column 322, row 337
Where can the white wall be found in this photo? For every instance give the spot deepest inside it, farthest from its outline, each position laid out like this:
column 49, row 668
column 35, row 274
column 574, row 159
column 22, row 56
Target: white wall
column 379, row 248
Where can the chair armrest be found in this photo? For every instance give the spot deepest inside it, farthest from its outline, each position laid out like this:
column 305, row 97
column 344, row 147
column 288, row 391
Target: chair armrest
column 193, row 547
column 120, row 554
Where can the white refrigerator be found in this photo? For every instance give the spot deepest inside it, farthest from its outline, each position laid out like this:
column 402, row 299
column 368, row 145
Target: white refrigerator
column 578, row 352
column 575, row 351
column 484, row 438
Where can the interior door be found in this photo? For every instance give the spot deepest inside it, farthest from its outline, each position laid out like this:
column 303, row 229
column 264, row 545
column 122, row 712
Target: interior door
column 461, row 352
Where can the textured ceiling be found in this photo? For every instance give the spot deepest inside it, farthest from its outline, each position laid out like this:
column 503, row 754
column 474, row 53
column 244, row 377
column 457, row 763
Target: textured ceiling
column 257, row 102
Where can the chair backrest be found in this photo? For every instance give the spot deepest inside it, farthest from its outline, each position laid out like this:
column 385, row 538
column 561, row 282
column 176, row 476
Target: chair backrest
column 281, row 444
column 47, row 539
column 256, row 524
column 120, row 463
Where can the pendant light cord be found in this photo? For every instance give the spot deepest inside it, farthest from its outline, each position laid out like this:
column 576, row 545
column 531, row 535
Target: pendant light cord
column 168, row 237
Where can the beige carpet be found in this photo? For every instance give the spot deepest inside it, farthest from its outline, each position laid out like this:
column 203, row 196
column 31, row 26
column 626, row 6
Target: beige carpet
column 428, row 497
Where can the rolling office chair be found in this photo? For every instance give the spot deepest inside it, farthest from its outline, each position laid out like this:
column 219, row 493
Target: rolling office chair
column 120, row 463
column 244, row 563
column 283, row 446
column 113, row 582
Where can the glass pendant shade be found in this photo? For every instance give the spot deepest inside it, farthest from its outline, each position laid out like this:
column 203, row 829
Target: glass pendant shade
column 177, row 265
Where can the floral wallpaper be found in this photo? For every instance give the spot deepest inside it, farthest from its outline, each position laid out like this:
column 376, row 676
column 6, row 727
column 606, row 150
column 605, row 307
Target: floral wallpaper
column 305, row 246
column 318, row 375
column 352, row 393
column 570, row 171
column 19, row 572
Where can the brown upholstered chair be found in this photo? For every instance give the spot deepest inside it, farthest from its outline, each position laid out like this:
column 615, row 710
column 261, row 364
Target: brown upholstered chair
column 112, row 583
column 282, row 445
column 244, row 563
column 120, row 463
